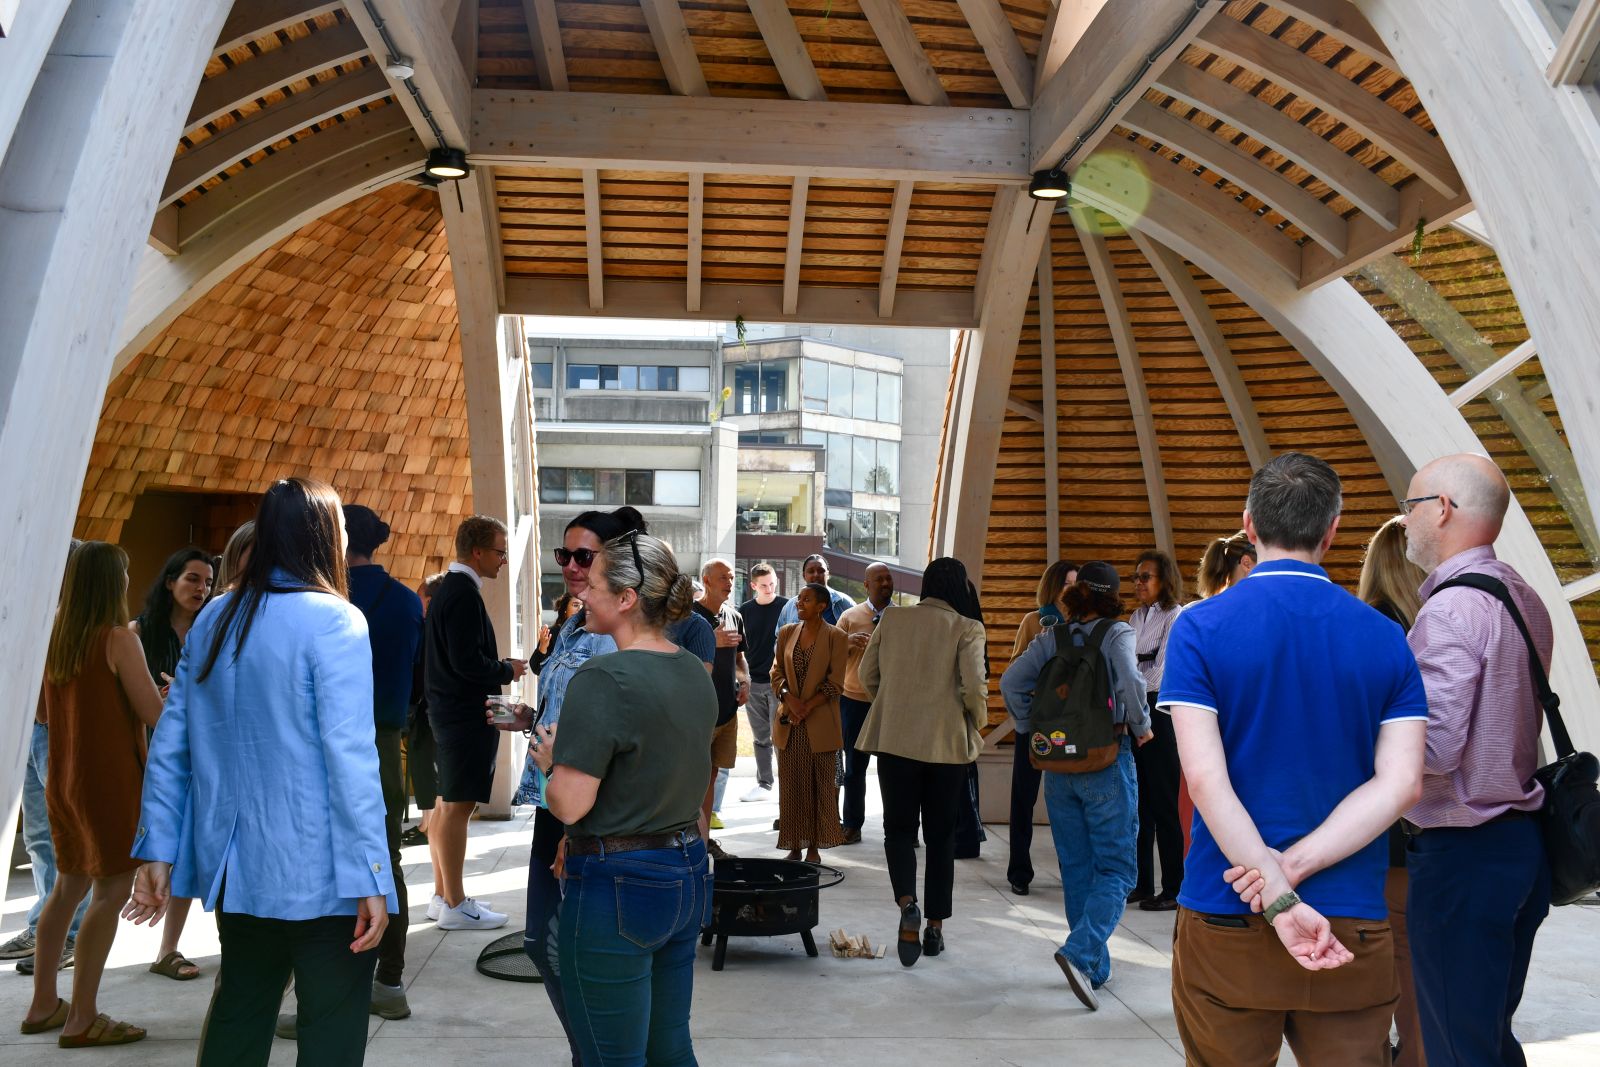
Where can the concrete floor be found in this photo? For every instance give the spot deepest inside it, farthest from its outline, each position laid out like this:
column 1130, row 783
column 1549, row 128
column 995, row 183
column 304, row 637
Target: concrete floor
column 995, row 997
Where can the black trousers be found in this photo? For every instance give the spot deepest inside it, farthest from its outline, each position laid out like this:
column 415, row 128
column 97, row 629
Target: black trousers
column 933, row 792
column 853, row 713
column 544, row 916
column 1024, row 795
column 392, row 949
column 332, row 985
column 1156, row 762
column 421, row 754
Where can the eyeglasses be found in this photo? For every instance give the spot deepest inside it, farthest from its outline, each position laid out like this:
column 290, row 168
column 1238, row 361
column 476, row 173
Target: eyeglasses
column 1140, row 577
column 1409, row 504
column 632, row 537
column 584, row 556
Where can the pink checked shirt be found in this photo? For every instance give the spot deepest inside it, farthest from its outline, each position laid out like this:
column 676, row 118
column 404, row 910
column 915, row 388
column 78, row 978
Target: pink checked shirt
column 1483, row 717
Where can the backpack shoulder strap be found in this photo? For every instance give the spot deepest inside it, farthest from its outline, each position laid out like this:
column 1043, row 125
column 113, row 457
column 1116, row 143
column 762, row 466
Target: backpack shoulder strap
column 1541, row 682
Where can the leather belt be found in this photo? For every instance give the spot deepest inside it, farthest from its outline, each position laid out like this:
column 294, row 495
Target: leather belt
column 595, row 846
column 1413, row 830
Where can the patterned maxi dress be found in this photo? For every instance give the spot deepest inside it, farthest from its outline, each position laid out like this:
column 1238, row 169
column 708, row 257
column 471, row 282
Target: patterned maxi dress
column 808, row 795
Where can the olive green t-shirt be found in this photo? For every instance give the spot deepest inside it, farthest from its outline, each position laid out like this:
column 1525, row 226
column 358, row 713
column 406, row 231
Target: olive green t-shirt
column 640, row 722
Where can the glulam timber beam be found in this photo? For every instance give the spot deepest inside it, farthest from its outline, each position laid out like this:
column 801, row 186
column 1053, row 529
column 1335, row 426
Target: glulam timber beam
column 1369, row 240
column 1050, row 404
column 270, row 125
column 899, row 214
column 1109, row 288
column 419, row 30
column 612, row 131
column 787, row 49
column 248, row 81
column 1340, row 97
column 594, row 239
column 899, row 42
column 1576, row 49
column 1191, row 303
column 674, row 47
column 549, row 57
column 1100, row 71
column 247, row 21
column 724, row 301
column 26, row 45
column 795, row 245
column 1343, row 21
column 1244, row 170
column 695, row 268
column 1012, row 68
column 1025, row 409
column 1249, row 114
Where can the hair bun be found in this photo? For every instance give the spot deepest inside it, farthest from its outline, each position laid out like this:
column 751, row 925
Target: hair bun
column 680, row 598
column 630, row 519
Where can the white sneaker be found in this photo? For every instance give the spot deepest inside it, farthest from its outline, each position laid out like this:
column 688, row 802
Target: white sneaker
column 470, row 915
column 757, row 794
column 436, row 907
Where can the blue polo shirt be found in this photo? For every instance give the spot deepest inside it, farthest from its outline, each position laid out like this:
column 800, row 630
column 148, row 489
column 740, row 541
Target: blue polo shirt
column 1300, row 675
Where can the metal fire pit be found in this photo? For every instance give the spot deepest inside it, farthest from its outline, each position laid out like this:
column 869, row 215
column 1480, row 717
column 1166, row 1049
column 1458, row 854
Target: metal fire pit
column 765, row 898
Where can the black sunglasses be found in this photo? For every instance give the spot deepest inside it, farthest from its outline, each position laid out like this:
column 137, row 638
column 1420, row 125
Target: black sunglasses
column 584, row 556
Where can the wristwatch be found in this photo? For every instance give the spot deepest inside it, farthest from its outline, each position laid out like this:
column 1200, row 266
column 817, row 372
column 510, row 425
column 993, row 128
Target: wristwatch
column 1281, row 905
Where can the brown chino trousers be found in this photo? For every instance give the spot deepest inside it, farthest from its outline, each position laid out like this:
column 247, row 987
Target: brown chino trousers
column 1238, row 995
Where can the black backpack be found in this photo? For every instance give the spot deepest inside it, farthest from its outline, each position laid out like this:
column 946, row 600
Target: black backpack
column 1570, row 817
column 1074, row 714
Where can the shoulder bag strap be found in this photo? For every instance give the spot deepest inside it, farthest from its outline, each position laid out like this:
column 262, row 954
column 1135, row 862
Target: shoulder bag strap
column 1541, row 682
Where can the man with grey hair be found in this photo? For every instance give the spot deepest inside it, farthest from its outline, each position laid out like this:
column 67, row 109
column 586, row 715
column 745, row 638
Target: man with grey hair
column 1300, row 718
column 1479, row 880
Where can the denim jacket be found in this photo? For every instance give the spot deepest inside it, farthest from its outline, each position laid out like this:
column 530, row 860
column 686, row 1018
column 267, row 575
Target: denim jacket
column 570, row 648
column 266, row 773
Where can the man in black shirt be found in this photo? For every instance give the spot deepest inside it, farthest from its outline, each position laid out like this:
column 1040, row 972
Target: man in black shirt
column 761, row 637
column 730, row 675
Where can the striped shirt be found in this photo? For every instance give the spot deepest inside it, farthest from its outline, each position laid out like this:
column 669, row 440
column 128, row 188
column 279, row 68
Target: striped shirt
column 1151, row 623
column 1483, row 716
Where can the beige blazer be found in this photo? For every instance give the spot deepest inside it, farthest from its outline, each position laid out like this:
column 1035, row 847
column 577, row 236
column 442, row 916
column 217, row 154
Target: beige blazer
column 828, row 658
column 924, row 671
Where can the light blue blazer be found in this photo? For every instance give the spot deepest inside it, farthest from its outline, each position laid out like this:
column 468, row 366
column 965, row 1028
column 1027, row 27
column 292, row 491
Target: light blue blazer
column 266, row 773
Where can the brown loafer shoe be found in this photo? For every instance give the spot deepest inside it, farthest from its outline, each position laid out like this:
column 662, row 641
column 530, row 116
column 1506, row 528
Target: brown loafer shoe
column 852, row 837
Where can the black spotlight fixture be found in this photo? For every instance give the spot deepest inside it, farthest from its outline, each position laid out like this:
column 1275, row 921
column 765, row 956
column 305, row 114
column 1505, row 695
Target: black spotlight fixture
column 1049, row 185
column 449, row 164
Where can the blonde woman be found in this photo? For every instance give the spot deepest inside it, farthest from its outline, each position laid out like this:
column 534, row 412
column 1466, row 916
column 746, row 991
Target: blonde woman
column 1227, row 561
column 1389, row 582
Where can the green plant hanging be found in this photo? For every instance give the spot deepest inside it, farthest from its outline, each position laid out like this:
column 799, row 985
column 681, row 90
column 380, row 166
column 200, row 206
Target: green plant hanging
column 1416, row 242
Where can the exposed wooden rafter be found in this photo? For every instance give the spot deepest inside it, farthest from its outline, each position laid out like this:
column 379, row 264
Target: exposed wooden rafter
column 1025, row 409
column 1342, row 20
column 1050, row 404
column 787, row 49
column 247, row 21
column 674, row 47
column 1340, row 97
column 697, row 239
column 899, row 212
column 614, row 131
column 1012, row 68
column 1369, row 240
column 1575, row 50
column 248, row 81
column 418, row 29
column 1248, row 113
column 795, row 245
column 594, row 247
column 1144, row 426
column 1240, row 167
column 549, row 58
column 900, row 44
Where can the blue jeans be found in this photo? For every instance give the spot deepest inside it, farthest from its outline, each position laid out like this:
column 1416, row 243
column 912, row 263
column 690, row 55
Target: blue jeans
column 1474, row 904
column 540, row 935
column 36, row 830
column 629, row 922
column 1094, row 819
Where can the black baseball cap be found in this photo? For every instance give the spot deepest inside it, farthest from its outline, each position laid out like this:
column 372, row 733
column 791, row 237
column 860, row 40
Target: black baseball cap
column 1099, row 576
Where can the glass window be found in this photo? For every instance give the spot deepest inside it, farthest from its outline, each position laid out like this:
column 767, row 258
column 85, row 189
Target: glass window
column 886, row 475
column 667, row 379
column 583, row 376
column 865, row 466
column 745, row 378
column 694, row 379
column 542, row 375
column 641, row 487
column 861, row 532
column 679, row 489
column 553, row 485
column 814, row 385
column 608, row 487
column 608, row 377
column 580, row 486
column 628, row 377
column 866, row 394
column 813, row 437
column 775, row 386
column 837, row 498
column 889, row 398
column 841, row 381
column 647, row 378
column 887, row 533
column 838, row 468
column 837, row 529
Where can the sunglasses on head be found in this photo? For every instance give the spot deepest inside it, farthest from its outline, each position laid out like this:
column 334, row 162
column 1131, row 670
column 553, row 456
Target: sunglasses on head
column 583, row 556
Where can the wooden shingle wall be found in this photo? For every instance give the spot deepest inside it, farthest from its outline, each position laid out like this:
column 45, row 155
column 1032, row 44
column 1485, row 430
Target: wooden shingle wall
column 333, row 354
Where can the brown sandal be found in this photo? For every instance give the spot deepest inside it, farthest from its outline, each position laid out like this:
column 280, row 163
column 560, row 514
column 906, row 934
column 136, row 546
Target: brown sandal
column 56, row 1020
column 172, row 966
column 103, row 1031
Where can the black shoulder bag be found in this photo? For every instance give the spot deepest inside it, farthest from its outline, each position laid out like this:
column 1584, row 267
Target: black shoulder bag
column 1570, row 817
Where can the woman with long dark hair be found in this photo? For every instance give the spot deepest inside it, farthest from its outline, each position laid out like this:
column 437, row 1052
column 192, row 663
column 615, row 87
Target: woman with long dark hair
column 924, row 670
column 170, row 607
column 98, row 700
column 262, row 796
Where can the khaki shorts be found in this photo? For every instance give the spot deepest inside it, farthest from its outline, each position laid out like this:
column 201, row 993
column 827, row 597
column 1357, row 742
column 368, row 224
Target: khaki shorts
column 725, row 744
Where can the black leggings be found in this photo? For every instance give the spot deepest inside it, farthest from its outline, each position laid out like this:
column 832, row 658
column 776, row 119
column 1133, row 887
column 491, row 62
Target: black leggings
column 1159, row 829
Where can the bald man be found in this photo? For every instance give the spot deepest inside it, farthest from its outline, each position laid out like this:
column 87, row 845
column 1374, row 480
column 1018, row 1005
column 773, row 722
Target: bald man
column 1479, row 881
